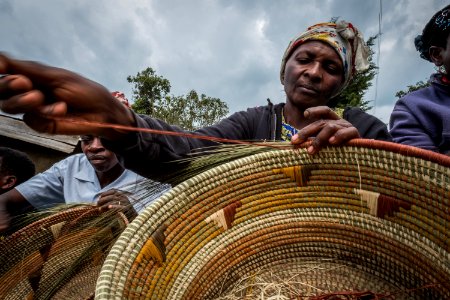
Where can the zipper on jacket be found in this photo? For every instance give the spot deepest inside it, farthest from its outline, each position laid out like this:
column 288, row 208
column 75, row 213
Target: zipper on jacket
column 273, row 120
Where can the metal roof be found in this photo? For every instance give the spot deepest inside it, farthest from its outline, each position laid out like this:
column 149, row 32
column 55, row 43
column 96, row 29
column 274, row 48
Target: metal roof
column 14, row 127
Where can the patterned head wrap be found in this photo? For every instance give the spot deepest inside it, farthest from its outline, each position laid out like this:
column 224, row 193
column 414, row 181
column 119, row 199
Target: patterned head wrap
column 342, row 37
column 435, row 33
column 121, row 97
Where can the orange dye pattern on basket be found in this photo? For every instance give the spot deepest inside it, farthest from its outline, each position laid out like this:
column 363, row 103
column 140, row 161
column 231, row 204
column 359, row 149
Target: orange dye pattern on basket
column 154, row 247
column 299, row 174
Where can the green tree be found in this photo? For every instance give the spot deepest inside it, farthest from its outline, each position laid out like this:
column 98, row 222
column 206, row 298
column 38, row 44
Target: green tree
column 152, row 97
column 149, row 91
column 411, row 88
column 353, row 94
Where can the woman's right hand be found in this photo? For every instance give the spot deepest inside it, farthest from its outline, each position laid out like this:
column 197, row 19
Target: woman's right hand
column 328, row 129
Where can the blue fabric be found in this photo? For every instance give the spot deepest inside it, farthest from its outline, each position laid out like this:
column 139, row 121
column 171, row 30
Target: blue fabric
column 287, row 131
column 73, row 180
column 422, row 118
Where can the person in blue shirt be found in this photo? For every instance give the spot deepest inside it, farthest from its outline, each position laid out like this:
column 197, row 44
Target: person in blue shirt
column 79, row 178
column 94, row 176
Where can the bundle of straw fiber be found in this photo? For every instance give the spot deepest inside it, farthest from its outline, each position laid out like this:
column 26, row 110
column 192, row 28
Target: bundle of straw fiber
column 369, row 220
column 58, row 256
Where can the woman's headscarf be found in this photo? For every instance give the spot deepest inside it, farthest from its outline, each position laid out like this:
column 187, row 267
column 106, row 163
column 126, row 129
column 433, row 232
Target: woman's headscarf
column 342, row 37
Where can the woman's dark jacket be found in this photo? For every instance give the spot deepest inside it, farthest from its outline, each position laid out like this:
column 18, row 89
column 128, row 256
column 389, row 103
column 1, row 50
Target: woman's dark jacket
column 142, row 152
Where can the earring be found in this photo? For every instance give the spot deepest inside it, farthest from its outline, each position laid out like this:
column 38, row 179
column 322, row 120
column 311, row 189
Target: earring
column 440, row 69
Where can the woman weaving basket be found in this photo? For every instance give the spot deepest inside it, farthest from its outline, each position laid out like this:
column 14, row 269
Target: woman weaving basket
column 316, row 66
column 177, row 253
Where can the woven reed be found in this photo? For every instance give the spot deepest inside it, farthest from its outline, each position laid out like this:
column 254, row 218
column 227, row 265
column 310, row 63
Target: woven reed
column 378, row 211
column 59, row 256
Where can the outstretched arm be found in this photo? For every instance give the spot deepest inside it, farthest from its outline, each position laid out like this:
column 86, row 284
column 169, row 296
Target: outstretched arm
column 50, row 98
column 43, row 93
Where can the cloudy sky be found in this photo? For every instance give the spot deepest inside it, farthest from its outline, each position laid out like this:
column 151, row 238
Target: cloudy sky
column 229, row 49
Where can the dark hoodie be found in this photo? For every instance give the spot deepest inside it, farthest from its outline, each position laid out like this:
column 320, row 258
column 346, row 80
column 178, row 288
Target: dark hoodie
column 422, row 118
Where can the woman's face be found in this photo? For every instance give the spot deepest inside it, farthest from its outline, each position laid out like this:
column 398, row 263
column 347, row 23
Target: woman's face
column 313, row 74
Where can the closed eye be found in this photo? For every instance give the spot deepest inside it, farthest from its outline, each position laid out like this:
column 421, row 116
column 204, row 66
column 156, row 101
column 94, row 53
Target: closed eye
column 303, row 60
column 332, row 68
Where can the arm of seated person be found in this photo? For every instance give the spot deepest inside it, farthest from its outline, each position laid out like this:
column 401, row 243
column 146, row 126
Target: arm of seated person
column 405, row 129
column 12, row 203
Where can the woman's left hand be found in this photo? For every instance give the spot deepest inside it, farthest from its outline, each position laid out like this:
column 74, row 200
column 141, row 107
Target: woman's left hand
column 328, row 129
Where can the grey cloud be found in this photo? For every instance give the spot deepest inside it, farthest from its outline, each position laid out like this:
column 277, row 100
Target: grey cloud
column 226, row 49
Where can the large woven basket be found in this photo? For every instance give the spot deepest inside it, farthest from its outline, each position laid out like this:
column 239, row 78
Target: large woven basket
column 58, row 256
column 370, row 218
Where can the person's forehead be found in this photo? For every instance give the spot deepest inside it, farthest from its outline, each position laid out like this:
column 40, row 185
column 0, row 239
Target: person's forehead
column 313, row 46
column 88, row 138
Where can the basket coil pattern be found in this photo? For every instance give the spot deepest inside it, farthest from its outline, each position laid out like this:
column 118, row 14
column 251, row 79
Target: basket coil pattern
column 58, row 256
column 373, row 215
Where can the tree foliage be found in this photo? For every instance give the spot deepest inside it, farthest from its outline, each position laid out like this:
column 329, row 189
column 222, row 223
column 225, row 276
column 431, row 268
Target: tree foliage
column 353, row 94
column 411, row 88
column 149, row 91
column 191, row 111
column 152, row 97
